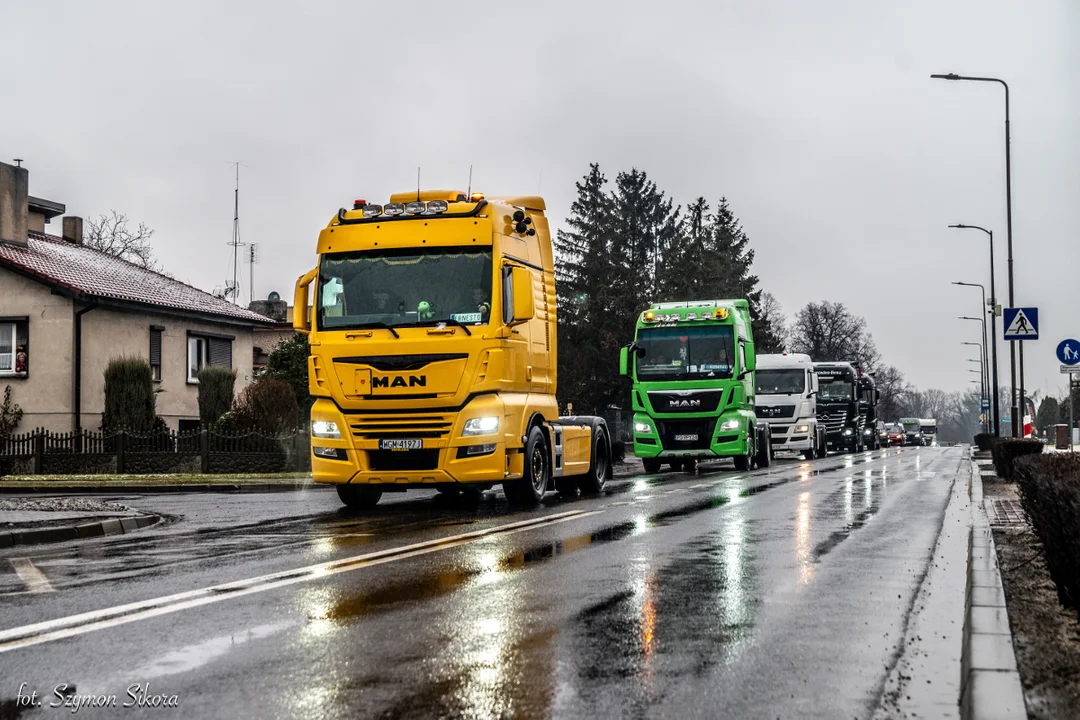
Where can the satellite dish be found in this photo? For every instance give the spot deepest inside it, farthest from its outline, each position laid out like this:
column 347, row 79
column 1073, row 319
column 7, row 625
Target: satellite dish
column 273, row 297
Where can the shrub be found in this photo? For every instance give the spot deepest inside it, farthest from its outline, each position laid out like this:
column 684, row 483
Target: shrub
column 289, row 362
column 1005, row 450
column 216, row 385
column 983, row 441
column 268, row 406
column 130, row 400
column 1050, row 493
column 10, row 415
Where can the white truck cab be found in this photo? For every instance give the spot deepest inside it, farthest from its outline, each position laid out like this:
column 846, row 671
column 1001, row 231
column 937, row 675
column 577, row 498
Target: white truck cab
column 786, row 399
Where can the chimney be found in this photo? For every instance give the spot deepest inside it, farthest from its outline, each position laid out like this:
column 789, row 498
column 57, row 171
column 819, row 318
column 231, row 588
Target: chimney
column 73, row 229
column 14, row 194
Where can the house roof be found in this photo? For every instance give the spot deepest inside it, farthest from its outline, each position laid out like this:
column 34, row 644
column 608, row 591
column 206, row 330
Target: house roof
column 91, row 274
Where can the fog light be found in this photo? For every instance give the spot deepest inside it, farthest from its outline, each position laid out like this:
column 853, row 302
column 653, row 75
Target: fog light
column 643, row 428
column 480, row 449
column 802, row 428
column 327, row 452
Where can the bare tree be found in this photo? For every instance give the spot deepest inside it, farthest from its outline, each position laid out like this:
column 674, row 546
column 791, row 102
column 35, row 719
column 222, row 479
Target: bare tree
column 893, row 388
column 111, row 234
column 828, row 332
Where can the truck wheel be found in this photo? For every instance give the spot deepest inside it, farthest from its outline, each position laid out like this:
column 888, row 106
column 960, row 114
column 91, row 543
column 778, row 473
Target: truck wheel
column 652, row 465
column 809, row 454
column 764, row 453
column 359, row 497
column 530, row 489
column 593, row 482
column 742, row 462
column 823, row 447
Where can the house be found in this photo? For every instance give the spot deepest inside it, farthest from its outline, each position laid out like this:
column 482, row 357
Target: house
column 66, row 310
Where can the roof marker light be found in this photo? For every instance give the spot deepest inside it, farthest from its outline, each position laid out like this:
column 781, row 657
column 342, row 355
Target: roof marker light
column 476, row 197
column 393, row 209
column 372, row 210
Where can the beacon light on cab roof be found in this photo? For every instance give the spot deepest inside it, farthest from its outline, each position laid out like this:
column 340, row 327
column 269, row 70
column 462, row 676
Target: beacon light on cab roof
column 650, row 316
column 721, row 313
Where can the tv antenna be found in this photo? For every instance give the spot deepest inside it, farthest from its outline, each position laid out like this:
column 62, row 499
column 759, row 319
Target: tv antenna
column 233, row 288
column 253, row 257
column 468, row 193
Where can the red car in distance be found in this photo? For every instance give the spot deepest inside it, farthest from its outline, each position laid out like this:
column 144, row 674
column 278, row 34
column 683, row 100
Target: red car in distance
column 895, row 434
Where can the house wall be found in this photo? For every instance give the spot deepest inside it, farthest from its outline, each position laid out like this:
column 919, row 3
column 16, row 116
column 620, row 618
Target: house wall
column 110, row 333
column 45, row 393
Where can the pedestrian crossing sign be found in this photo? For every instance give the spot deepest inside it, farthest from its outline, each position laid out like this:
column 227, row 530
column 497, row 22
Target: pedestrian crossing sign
column 1021, row 323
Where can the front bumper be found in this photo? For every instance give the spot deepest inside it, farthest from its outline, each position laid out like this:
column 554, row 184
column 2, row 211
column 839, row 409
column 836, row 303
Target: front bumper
column 444, row 458
column 784, row 437
column 711, row 442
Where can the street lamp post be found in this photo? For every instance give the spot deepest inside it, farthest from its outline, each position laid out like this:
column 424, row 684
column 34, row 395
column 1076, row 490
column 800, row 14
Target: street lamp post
column 985, row 361
column 982, row 354
column 993, row 376
column 1008, row 220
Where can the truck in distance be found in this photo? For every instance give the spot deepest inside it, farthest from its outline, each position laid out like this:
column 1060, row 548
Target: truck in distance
column 692, row 371
column 912, row 431
column 786, row 399
column 868, row 402
column 928, row 431
column 433, row 353
column 838, row 405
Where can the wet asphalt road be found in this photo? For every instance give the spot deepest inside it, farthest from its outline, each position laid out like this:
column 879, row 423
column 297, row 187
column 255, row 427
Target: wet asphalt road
column 776, row 593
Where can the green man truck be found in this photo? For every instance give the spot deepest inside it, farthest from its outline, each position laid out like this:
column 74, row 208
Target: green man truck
column 692, row 367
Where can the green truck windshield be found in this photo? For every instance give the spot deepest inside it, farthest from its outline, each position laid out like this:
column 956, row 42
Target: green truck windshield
column 404, row 287
column 690, row 353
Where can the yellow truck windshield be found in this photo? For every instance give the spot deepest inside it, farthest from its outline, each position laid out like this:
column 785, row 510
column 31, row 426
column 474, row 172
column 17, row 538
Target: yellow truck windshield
column 404, row 287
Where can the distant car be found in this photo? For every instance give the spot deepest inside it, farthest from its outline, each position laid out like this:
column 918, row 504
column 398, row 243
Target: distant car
column 895, row 434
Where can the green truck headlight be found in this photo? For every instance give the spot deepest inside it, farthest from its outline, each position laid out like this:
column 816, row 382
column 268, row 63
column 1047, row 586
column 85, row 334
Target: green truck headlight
column 643, row 428
column 729, row 425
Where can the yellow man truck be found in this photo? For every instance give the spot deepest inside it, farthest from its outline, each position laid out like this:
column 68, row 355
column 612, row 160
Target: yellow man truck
column 433, row 353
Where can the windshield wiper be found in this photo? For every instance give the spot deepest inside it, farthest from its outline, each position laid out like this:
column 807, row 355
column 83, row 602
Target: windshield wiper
column 450, row 321
column 377, row 325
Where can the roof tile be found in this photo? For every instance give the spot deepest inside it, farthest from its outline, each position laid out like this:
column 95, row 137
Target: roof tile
column 91, row 272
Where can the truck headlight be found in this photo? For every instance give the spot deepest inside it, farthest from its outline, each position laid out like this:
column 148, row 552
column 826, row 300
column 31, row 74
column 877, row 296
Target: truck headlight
column 325, row 429
column 643, row 428
column 848, row 431
column 868, row 431
column 729, row 425
column 481, row 426
column 802, row 428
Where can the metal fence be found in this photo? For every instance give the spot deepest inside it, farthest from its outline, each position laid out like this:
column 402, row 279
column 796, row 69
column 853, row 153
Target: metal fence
column 41, row 451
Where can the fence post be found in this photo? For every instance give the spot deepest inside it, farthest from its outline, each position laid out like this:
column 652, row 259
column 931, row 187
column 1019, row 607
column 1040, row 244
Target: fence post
column 39, row 451
column 204, row 449
column 121, row 443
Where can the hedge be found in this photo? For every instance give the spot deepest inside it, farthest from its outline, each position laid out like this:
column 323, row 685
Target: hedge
column 983, row 441
column 1050, row 493
column 1006, row 450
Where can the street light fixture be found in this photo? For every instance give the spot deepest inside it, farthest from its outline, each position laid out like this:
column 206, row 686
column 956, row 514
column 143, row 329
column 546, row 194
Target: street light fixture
column 1017, row 402
column 996, row 418
column 982, row 372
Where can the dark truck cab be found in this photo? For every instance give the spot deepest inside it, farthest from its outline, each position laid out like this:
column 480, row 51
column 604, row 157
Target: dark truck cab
column 868, row 402
column 838, row 405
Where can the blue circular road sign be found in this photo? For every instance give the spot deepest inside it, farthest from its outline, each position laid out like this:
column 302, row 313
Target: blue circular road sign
column 1068, row 352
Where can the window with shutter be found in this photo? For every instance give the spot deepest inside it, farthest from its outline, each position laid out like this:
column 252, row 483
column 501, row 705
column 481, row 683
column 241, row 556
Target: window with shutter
column 155, row 353
column 221, row 352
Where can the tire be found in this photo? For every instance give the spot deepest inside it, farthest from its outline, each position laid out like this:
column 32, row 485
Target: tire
column 652, row 465
column 764, row 453
column 742, row 463
column 810, row 453
column 359, row 497
column 823, row 448
column 593, row 482
column 530, row 489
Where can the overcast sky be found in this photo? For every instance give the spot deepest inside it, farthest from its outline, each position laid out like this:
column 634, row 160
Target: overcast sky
column 817, row 120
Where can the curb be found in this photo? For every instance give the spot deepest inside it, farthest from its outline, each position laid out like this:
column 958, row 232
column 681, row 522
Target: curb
column 117, row 526
column 153, row 489
column 990, row 682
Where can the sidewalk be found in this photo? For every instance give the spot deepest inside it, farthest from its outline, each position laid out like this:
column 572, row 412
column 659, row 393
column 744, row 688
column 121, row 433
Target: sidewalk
column 127, row 484
column 29, row 521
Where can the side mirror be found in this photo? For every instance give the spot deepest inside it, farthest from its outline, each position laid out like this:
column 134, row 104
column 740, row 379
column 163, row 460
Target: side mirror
column 624, row 361
column 300, row 320
column 518, row 303
column 877, row 396
column 749, row 360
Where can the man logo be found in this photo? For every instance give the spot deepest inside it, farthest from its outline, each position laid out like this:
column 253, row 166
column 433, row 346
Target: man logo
column 399, row 382
column 683, row 404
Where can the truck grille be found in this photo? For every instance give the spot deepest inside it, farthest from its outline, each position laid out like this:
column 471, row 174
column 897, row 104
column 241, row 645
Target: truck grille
column 775, row 411
column 697, row 401
column 668, row 429
column 833, row 422
column 413, row 426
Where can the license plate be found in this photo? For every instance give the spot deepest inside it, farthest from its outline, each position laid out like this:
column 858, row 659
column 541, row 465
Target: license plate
column 685, row 438
column 403, row 444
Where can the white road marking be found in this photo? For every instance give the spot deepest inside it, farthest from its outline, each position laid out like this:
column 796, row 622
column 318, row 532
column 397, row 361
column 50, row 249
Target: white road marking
column 82, row 623
column 35, row 580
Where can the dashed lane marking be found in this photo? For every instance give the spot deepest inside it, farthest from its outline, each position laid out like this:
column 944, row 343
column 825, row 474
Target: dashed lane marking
column 35, row 580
